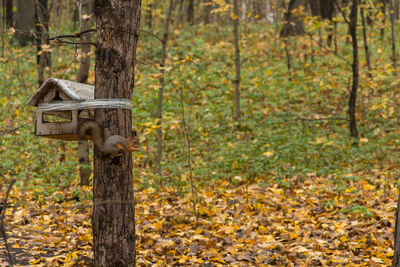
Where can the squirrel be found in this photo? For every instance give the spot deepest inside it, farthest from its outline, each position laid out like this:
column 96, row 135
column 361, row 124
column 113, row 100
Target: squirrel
column 113, row 144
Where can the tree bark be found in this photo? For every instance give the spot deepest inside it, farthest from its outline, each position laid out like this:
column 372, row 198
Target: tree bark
column 314, row 7
column 366, row 48
column 383, row 10
column 9, row 13
column 206, row 11
column 327, row 8
column 24, row 21
column 42, row 18
column 85, row 8
column 161, row 90
column 293, row 22
column 392, row 25
column 396, row 255
column 113, row 209
column 190, row 14
column 237, row 59
column 353, row 93
column 149, row 17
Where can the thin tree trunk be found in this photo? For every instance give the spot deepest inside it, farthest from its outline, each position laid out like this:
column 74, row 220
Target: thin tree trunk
column 392, row 25
column 366, row 42
column 353, row 93
column 42, row 17
column 117, row 24
column 237, row 59
column 150, row 16
column 396, row 255
column 335, row 37
column 85, row 8
column 161, row 90
column 383, row 10
column 3, row 31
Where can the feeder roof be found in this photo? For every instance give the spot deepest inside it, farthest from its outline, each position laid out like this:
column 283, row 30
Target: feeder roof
column 76, row 91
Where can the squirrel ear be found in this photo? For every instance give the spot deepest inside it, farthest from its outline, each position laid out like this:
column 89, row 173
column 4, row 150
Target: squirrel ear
column 133, row 133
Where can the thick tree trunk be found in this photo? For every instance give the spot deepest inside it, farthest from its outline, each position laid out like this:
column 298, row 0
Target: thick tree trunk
column 206, row 11
column 9, row 13
column 113, row 209
column 314, row 7
column 190, row 10
column 24, row 21
column 293, row 22
column 161, row 90
column 85, row 8
column 353, row 93
column 42, row 18
column 237, row 59
column 327, row 8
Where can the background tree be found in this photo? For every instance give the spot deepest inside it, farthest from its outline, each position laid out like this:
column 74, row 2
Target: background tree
column 190, row 12
column 235, row 19
column 354, row 86
column 393, row 34
column 86, row 15
column 161, row 89
column 24, row 21
column 42, row 18
column 9, row 12
column 293, row 22
column 113, row 208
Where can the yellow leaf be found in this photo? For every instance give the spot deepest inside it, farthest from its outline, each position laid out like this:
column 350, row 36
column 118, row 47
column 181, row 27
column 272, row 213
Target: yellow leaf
column 218, row 260
column 268, row 153
column 229, row 230
column 369, row 187
column 350, row 189
column 67, row 258
column 86, row 238
column 293, row 235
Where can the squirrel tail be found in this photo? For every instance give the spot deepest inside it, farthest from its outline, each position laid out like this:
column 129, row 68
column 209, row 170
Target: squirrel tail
column 93, row 129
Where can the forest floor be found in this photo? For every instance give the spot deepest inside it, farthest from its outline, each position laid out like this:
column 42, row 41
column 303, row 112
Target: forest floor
column 312, row 224
column 287, row 186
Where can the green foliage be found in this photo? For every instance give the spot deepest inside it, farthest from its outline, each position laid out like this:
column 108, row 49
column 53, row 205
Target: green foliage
column 288, row 128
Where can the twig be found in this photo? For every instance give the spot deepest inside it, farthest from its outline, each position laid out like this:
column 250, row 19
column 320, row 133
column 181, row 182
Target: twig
column 186, row 133
column 76, row 35
column 323, row 119
column 74, row 43
column 13, row 130
column 341, row 12
column 152, row 34
column 3, row 211
column 329, row 50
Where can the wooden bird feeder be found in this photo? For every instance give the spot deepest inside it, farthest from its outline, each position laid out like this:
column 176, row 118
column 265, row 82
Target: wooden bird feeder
column 63, row 105
column 56, row 116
